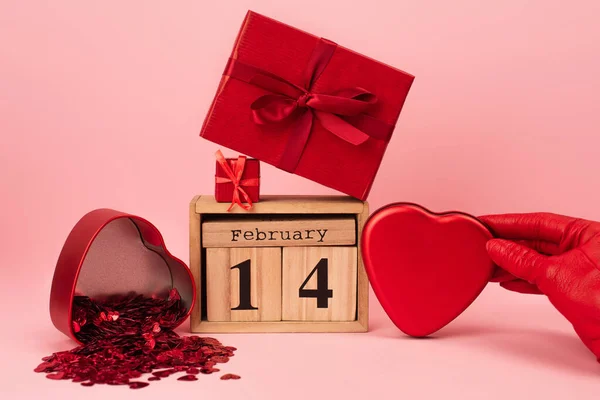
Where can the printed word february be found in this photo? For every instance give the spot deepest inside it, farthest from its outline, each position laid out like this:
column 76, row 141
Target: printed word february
column 274, row 231
column 259, row 235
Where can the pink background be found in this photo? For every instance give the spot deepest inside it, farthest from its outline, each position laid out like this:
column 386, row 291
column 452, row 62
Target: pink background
column 101, row 104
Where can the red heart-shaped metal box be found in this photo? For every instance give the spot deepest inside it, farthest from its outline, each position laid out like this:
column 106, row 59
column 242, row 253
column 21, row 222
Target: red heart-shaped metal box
column 111, row 252
column 425, row 268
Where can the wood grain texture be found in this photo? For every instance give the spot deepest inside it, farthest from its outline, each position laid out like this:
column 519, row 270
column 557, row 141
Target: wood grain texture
column 224, row 286
column 362, row 311
column 278, row 327
column 195, row 259
column 270, row 232
column 270, row 204
column 340, row 268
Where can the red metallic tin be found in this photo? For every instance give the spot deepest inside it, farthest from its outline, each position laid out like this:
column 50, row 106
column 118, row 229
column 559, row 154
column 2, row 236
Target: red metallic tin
column 425, row 267
column 111, row 252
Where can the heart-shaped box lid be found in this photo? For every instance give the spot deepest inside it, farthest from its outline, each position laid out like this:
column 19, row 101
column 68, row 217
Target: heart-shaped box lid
column 425, row 267
column 111, row 252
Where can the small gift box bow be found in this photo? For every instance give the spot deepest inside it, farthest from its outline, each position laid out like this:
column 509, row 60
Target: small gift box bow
column 234, row 176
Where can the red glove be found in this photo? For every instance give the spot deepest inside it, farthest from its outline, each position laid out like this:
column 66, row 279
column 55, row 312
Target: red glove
column 554, row 255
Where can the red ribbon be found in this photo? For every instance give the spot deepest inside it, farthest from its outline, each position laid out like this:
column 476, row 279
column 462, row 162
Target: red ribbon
column 341, row 113
column 234, row 176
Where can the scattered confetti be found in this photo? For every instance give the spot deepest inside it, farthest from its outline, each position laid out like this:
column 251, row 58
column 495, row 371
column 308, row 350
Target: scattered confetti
column 124, row 337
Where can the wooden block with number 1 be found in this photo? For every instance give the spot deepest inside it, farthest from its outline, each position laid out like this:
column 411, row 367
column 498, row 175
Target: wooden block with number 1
column 243, row 284
column 319, row 283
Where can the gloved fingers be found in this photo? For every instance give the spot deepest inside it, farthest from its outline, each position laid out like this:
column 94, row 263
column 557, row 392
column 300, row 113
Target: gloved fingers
column 501, row 275
column 541, row 226
column 520, row 286
column 542, row 246
column 519, row 260
column 592, row 250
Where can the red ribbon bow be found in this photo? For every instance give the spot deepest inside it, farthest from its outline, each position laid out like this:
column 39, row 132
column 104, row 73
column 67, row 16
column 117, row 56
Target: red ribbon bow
column 341, row 113
column 234, row 176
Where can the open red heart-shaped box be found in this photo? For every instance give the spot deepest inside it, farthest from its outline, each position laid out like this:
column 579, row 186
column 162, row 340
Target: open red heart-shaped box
column 111, row 252
column 425, row 268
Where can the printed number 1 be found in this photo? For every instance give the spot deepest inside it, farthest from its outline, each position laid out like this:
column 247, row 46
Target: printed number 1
column 322, row 293
column 245, row 298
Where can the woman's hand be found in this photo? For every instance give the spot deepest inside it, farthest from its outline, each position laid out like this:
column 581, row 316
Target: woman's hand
column 554, row 255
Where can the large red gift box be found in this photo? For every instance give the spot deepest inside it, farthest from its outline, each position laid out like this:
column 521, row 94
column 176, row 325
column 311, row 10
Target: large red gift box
column 306, row 105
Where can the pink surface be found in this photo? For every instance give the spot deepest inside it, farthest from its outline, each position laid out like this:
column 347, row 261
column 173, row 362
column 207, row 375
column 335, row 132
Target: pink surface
column 101, row 106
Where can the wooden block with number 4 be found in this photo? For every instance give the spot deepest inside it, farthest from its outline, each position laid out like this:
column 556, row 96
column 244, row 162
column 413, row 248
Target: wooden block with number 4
column 319, row 283
column 243, row 284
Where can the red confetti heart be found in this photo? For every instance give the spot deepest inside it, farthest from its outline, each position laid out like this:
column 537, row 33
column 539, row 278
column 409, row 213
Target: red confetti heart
column 58, row 375
column 138, row 385
column 187, row 378
column 230, row 376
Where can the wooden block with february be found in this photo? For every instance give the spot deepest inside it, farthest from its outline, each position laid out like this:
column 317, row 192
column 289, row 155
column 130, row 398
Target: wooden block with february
column 268, row 232
column 243, row 284
column 319, row 283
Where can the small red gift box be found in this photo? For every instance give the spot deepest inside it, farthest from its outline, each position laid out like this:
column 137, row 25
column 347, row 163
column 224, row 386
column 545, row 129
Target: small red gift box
column 306, row 105
column 237, row 180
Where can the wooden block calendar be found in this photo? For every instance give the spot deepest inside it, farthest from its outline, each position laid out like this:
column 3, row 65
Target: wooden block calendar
column 289, row 264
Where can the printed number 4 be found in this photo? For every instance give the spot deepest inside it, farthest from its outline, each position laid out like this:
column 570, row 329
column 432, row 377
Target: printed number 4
column 321, row 293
